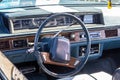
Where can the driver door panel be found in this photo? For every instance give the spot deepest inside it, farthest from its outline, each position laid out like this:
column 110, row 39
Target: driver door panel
column 9, row 69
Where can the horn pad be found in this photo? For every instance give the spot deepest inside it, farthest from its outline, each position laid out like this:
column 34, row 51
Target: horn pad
column 60, row 49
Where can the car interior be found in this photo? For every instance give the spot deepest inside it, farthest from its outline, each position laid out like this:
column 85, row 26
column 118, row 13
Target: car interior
column 60, row 40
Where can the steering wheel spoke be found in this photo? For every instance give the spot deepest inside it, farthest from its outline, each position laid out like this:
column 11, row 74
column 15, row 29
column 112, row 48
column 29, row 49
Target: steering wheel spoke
column 47, row 60
column 66, row 27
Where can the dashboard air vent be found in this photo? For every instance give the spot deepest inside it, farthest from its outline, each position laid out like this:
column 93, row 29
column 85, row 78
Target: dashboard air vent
column 19, row 43
column 111, row 33
column 4, row 45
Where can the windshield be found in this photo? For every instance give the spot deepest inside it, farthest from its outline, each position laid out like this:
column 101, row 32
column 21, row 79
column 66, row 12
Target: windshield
column 24, row 3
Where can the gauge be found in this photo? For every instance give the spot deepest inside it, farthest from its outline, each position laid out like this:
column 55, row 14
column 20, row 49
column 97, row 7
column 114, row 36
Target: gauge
column 69, row 20
column 27, row 23
column 60, row 21
column 16, row 24
column 51, row 23
column 36, row 22
column 42, row 18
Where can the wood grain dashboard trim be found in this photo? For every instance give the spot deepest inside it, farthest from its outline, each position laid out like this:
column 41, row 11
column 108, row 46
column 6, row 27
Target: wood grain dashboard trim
column 30, row 39
column 47, row 60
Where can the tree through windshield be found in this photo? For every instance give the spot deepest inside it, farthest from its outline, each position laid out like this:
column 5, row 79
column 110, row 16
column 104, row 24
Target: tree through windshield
column 23, row 3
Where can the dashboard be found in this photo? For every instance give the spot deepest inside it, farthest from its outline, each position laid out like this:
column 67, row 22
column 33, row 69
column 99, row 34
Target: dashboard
column 30, row 23
column 18, row 29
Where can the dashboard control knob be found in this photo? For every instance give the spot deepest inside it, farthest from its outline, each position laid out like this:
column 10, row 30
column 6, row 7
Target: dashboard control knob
column 72, row 36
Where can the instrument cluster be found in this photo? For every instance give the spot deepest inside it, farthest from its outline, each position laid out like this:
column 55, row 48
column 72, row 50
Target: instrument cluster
column 35, row 22
column 32, row 23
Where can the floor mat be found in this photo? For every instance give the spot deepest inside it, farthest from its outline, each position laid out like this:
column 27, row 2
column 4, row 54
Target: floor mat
column 101, row 69
column 107, row 65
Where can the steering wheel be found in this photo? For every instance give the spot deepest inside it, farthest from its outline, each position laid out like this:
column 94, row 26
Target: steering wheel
column 80, row 63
